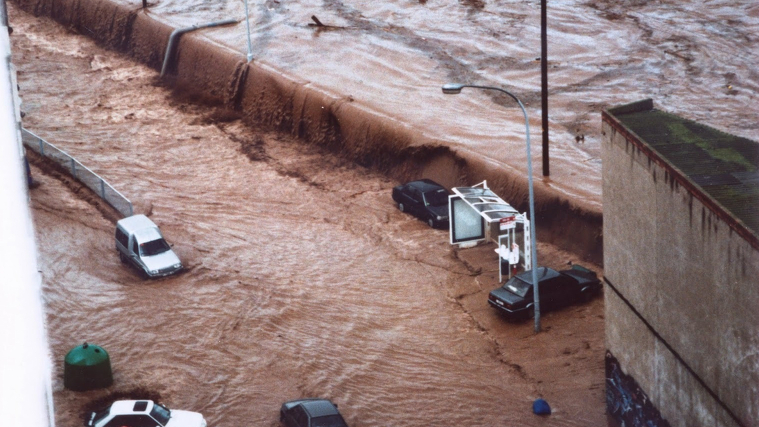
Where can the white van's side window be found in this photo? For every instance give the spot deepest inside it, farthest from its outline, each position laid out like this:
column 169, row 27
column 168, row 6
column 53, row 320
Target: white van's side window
column 135, row 248
column 122, row 237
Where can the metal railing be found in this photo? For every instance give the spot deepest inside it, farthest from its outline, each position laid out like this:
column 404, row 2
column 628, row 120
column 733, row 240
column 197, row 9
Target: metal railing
column 83, row 174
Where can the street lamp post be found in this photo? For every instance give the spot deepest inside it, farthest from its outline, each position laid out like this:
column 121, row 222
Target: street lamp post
column 455, row 88
column 247, row 22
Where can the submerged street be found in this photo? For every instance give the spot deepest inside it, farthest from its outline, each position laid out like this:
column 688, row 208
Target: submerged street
column 303, row 279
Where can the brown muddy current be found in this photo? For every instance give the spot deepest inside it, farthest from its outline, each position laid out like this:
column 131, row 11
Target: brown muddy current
column 696, row 59
column 303, row 279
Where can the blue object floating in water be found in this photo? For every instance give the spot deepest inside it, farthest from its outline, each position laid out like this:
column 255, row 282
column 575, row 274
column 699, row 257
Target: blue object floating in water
column 541, row 407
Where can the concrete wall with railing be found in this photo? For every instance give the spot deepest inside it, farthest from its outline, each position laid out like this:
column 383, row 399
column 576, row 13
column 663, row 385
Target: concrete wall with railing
column 79, row 171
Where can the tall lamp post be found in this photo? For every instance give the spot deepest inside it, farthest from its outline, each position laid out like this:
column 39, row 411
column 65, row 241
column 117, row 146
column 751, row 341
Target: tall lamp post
column 544, row 82
column 247, row 22
column 455, row 88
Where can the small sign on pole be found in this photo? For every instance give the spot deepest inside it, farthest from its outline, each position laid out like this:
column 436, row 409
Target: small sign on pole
column 508, row 223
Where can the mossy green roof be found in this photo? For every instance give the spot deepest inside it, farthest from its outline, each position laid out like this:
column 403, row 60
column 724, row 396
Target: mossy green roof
column 724, row 166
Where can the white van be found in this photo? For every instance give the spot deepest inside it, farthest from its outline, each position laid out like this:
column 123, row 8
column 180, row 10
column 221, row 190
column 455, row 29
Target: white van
column 140, row 243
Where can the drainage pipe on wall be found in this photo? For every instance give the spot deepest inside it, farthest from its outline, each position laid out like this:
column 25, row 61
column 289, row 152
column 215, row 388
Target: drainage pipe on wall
column 170, row 46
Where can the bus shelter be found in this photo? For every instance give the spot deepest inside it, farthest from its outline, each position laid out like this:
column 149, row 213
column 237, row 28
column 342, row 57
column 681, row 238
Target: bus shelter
column 477, row 214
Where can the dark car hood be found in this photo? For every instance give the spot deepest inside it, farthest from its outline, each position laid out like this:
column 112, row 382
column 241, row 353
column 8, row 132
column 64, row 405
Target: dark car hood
column 507, row 296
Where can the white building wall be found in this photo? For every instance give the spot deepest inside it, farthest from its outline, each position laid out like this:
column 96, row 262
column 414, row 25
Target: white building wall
column 25, row 395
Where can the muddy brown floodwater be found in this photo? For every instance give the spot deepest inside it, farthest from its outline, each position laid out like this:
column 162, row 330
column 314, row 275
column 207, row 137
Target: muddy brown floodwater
column 302, row 277
column 368, row 81
column 693, row 58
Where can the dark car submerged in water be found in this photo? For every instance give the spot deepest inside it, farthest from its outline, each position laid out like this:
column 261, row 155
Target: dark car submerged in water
column 425, row 199
column 311, row 413
column 557, row 289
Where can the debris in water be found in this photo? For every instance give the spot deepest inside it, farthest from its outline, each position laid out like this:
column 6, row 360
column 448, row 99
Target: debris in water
column 541, row 407
column 318, row 22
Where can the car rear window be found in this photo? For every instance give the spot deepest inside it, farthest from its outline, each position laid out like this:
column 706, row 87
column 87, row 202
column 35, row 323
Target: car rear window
column 517, row 286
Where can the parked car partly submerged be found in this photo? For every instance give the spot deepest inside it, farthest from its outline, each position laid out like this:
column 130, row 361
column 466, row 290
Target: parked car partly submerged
column 140, row 413
column 140, row 243
column 311, row 413
column 557, row 289
column 425, row 199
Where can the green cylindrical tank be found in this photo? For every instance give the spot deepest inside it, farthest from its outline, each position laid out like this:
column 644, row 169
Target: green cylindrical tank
column 87, row 367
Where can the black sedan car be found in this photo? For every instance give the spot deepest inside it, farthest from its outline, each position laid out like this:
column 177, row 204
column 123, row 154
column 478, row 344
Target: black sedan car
column 311, row 413
column 557, row 289
column 425, row 199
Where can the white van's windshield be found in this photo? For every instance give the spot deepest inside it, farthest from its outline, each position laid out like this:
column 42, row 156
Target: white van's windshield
column 154, row 247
